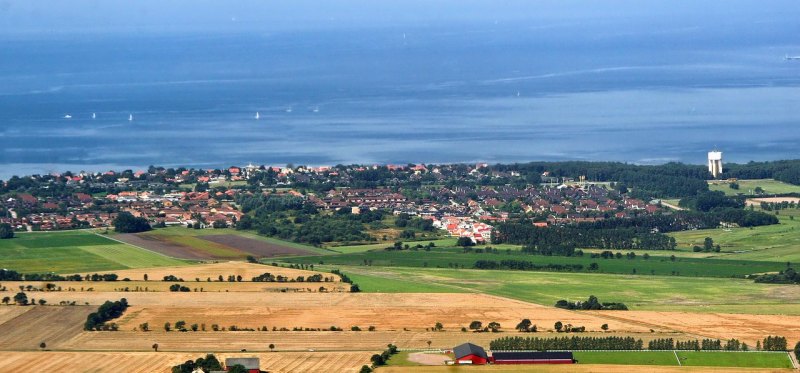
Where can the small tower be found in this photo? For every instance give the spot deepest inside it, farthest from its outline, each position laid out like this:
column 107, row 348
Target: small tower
column 715, row 162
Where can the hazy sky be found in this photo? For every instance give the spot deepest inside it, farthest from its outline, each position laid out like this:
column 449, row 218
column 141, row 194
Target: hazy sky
column 66, row 16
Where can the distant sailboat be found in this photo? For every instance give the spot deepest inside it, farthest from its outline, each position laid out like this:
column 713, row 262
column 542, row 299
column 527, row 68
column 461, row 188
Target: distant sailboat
column 94, row 115
column 289, row 110
column 316, row 109
column 517, row 93
column 130, row 118
column 258, row 116
column 67, row 116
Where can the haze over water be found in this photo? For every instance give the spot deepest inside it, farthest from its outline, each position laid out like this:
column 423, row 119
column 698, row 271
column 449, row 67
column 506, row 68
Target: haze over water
column 463, row 82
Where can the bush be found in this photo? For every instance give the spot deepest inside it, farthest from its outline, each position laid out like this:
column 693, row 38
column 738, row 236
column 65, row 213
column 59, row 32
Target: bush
column 125, row 222
column 6, row 231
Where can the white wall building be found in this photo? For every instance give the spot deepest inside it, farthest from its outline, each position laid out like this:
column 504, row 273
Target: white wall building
column 715, row 162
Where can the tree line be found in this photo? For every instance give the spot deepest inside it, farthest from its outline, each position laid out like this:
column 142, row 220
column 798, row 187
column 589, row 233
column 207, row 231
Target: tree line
column 523, row 265
column 566, row 343
column 107, row 311
column 11, row 275
column 563, row 240
column 590, row 304
column 788, row 276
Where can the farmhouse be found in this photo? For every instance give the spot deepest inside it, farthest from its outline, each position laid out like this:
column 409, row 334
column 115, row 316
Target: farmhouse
column 250, row 363
column 560, row 357
column 469, row 353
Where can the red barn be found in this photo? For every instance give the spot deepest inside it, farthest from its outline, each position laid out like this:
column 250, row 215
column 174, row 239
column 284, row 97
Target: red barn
column 557, row 357
column 469, row 353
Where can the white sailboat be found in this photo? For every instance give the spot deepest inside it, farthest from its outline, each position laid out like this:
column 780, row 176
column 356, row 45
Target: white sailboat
column 258, row 116
column 67, row 116
column 130, row 118
column 94, row 115
column 316, row 109
column 289, row 110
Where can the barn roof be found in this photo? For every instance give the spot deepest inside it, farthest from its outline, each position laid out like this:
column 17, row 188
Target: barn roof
column 469, row 349
column 247, row 362
column 555, row 355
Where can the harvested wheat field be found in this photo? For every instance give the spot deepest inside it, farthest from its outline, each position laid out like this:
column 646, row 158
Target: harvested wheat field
column 49, row 324
column 155, row 362
column 748, row 328
column 323, row 310
column 214, row 270
column 163, row 286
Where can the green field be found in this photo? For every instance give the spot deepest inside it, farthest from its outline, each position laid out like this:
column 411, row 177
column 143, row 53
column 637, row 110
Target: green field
column 777, row 243
column 655, row 293
column 687, row 358
column 747, row 187
column 626, row 357
column 74, row 251
column 735, row 359
column 658, row 264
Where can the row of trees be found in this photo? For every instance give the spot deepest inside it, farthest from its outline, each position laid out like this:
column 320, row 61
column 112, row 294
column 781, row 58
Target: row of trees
column 207, row 364
column 523, row 265
column 788, row 276
column 697, row 345
column 566, row 343
column 11, row 275
column 563, row 240
column 107, row 311
column 590, row 304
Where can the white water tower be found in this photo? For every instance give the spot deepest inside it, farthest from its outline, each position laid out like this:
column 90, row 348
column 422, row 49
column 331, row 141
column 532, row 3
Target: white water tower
column 715, row 162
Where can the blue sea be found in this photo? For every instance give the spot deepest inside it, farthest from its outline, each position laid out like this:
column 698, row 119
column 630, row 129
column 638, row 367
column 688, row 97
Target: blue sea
column 644, row 91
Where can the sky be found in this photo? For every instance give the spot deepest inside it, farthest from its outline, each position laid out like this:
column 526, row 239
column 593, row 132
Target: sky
column 21, row 17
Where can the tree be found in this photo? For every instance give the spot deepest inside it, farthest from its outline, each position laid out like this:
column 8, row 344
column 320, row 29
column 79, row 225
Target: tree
column 125, row 222
column 708, row 244
column 21, row 299
column 365, row 369
column 238, row 368
column 439, row 327
column 167, row 326
column 494, row 326
column 558, row 325
column 797, row 349
column 429, row 344
column 524, row 325
column 6, row 300
column 42, row 345
column 465, row 242
column 6, row 231
column 604, row 327
column 476, row 325
column 42, row 302
column 155, row 347
column 272, row 347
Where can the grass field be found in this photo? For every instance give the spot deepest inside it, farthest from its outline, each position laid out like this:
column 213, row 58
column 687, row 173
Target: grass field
column 659, row 263
column 74, row 251
column 734, row 359
column 191, row 238
column 748, row 187
column 777, row 243
column 626, row 357
column 658, row 293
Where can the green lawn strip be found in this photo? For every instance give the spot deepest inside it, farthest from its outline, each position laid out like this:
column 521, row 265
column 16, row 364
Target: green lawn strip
column 379, row 284
column 54, row 259
column 132, row 257
column 626, row 357
column 735, row 359
column 748, row 187
column 659, row 263
column 778, row 243
column 653, row 293
column 400, row 359
column 33, row 240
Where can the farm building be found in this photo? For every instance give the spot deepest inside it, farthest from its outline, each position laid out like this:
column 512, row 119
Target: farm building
column 250, row 363
column 560, row 357
column 469, row 353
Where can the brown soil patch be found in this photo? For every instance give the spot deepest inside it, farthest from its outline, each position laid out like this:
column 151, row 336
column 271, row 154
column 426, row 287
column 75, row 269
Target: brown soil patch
column 425, row 358
column 163, row 246
column 214, row 270
column 757, row 201
column 149, row 362
column 256, row 247
column 49, row 324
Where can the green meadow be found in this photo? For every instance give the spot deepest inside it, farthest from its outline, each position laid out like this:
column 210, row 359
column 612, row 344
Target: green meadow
column 654, row 293
column 659, row 263
column 687, row 358
column 748, row 187
column 74, row 251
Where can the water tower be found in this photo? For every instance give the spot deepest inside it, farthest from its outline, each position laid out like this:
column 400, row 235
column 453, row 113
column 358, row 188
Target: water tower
column 715, row 162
